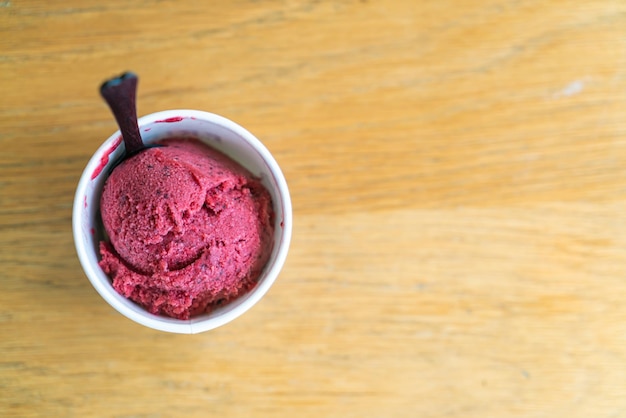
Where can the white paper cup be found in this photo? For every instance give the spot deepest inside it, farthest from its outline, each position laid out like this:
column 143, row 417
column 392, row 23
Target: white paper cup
column 219, row 133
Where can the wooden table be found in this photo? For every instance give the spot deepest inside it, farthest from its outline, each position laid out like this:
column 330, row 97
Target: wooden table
column 458, row 176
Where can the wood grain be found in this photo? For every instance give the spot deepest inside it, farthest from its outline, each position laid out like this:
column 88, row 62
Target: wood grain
column 457, row 170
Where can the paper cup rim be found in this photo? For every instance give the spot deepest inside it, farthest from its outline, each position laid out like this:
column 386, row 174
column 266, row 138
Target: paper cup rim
column 139, row 314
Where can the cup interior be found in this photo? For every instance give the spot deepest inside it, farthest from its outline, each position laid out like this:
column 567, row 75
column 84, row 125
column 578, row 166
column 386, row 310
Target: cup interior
column 220, row 133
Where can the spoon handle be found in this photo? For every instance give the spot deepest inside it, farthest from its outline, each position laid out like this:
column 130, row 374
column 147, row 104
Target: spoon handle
column 120, row 94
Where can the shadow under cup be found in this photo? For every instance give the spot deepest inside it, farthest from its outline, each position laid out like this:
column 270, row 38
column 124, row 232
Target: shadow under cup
column 223, row 135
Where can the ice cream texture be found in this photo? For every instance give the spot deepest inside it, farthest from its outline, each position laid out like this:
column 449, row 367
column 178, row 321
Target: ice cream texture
column 189, row 229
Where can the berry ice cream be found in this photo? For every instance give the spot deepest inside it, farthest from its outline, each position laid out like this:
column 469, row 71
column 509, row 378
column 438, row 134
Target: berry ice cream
column 189, row 229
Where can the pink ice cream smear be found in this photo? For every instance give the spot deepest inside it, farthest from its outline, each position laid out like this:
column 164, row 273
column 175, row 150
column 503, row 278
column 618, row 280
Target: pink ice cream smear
column 104, row 160
column 189, row 229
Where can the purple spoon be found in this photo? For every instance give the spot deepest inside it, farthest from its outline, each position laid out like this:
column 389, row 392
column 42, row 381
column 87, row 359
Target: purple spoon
column 120, row 93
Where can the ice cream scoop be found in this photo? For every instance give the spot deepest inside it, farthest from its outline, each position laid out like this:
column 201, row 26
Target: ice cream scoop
column 189, row 228
column 120, row 94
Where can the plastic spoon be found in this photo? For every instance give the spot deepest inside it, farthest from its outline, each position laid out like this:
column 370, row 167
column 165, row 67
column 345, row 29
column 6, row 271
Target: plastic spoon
column 120, row 94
